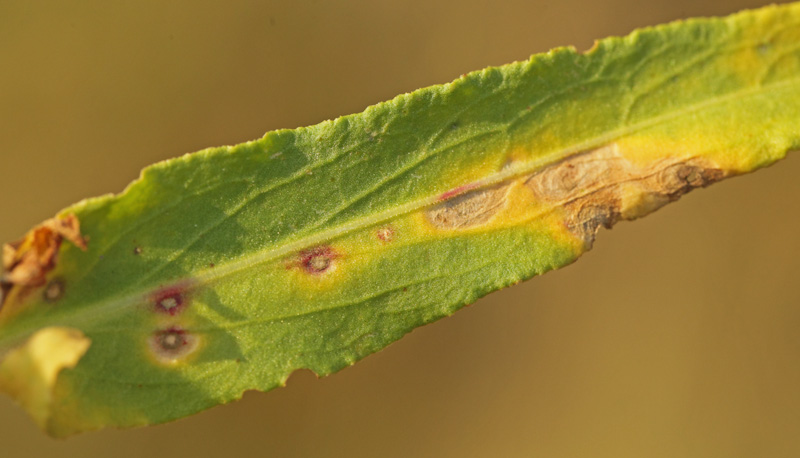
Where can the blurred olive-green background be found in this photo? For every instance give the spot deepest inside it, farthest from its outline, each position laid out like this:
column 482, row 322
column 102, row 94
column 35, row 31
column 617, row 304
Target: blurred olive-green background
column 678, row 335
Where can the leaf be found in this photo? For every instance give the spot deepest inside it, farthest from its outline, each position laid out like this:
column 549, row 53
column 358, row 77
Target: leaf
column 230, row 268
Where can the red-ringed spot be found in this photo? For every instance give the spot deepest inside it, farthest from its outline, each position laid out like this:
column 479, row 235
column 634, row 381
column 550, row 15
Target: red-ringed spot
column 385, row 234
column 318, row 260
column 170, row 300
column 172, row 344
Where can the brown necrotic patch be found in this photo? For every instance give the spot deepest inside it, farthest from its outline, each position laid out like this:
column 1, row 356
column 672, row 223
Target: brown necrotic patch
column 600, row 187
column 172, row 344
column 27, row 262
column 470, row 209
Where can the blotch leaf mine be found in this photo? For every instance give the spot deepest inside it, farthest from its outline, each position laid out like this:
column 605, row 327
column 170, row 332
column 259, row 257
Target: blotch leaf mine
column 228, row 269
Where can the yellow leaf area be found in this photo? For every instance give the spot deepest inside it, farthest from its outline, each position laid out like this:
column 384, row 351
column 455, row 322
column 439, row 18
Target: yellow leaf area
column 29, row 372
column 768, row 32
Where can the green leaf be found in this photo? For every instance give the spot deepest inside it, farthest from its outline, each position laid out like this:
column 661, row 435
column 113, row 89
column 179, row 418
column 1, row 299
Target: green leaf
column 230, row 268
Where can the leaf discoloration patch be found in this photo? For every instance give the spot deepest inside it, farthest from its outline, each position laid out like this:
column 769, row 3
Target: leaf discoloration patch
column 30, row 371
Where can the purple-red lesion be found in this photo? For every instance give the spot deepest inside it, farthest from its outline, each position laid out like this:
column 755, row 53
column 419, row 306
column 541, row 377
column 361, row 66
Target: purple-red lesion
column 171, row 300
column 317, row 260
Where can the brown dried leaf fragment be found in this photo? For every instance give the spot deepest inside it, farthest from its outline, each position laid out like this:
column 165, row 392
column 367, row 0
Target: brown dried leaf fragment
column 26, row 262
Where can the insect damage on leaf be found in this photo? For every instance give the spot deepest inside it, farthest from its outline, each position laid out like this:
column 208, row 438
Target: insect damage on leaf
column 472, row 208
column 27, row 262
column 598, row 187
column 590, row 189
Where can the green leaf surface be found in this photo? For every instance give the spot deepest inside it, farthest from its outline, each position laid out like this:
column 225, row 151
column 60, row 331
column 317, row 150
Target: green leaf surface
column 230, row 268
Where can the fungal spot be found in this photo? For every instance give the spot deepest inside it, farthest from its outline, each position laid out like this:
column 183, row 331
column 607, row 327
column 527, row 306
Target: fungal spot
column 172, row 344
column 54, row 290
column 170, row 301
column 385, row 234
column 137, row 250
column 470, row 209
column 600, row 187
column 318, row 260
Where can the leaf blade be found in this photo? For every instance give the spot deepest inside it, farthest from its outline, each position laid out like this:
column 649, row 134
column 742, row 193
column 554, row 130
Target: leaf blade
column 322, row 248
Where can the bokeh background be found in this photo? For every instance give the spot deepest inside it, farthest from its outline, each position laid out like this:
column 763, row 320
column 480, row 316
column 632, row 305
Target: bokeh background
column 678, row 335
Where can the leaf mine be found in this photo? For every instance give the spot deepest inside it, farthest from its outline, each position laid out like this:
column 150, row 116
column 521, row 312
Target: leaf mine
column 470, row 209
column 601, row 186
